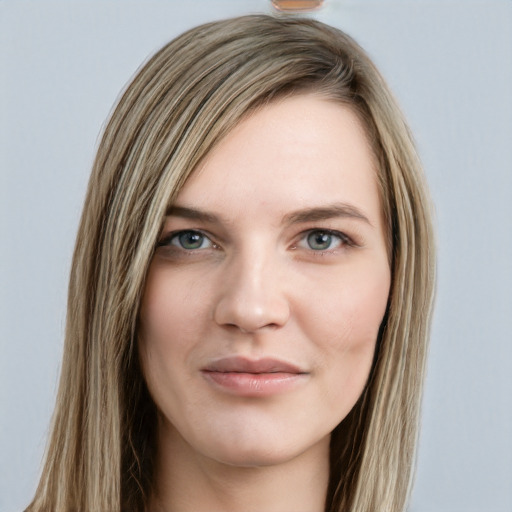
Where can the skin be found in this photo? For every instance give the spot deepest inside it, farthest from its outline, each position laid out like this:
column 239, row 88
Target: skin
column 290, row 262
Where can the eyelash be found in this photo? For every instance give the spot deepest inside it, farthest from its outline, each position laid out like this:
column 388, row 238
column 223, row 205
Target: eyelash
column 342, row 238
column 167, row 241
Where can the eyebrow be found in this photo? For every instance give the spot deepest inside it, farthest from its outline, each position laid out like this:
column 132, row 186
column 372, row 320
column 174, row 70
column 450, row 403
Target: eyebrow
column 192, row 213
column 326, row 212
column 300, row 216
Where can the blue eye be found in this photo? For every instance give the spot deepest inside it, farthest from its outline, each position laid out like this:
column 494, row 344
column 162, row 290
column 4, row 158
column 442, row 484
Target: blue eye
column 324, row 240
column 188, row 240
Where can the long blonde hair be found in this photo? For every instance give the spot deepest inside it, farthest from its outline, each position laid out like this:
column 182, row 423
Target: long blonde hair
column 179, row 105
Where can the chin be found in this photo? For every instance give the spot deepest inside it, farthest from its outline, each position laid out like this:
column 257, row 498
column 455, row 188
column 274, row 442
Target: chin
column 254, row 457
column 262, row 451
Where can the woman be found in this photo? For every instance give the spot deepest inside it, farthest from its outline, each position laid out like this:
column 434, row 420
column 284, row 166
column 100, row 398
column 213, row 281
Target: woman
column 251, row 288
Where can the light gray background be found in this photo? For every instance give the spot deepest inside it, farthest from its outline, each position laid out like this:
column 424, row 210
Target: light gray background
column 449, row 63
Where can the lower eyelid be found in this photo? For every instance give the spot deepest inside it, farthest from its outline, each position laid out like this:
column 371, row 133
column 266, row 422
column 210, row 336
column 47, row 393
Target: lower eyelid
column 342, row 239
column 204, row 240
column 167, row 239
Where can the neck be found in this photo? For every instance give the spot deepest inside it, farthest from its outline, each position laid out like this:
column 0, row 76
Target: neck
column 188, row 481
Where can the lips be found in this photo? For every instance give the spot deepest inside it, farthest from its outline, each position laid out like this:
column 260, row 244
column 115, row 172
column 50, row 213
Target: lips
column 253, row 378
column 242, row 365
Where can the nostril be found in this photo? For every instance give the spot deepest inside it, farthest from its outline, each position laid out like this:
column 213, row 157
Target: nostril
column 251, row 295
column 252, row 314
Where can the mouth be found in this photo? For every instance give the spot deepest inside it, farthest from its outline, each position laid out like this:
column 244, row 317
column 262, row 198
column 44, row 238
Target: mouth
column 238, row 364
column 253, row 378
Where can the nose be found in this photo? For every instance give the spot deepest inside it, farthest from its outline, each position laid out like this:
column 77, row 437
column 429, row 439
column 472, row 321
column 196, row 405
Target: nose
column 252, row 294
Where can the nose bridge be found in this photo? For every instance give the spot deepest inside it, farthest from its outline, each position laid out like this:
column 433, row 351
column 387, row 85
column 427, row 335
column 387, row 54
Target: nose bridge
column 252, row 294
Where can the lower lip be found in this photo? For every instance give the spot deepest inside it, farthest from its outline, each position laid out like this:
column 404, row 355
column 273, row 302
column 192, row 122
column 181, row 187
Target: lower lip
column 254, row 384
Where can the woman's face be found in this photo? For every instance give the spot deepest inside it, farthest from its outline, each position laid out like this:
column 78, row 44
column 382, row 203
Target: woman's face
column 267, row 289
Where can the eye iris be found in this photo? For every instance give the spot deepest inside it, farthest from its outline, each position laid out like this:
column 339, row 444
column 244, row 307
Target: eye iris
column 191, row 240
column 319, row 240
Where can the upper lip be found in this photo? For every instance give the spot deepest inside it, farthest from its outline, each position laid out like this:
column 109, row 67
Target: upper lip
column 243, row 365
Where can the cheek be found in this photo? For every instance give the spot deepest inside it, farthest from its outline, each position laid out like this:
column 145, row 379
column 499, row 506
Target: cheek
column 345, row 327
column 347, row 310
column 171, row 310
column 168, row 329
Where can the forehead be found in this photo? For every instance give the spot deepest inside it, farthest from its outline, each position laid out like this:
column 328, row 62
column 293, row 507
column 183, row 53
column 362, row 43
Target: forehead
column 298, row 152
